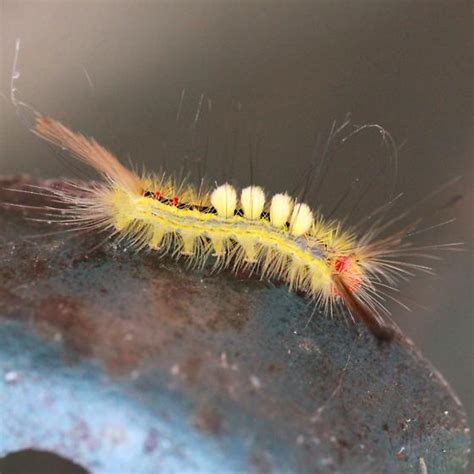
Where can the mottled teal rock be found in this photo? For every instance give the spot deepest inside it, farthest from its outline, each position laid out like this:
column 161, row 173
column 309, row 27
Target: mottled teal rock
column 128, row 363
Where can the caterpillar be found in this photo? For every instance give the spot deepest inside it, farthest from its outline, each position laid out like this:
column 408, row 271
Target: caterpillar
column 277, row 237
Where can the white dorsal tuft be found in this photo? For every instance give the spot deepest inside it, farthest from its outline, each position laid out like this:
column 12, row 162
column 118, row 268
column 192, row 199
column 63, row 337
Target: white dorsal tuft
column 224, row 200
column 301, row 219
column 252, row 200
column 280, row 209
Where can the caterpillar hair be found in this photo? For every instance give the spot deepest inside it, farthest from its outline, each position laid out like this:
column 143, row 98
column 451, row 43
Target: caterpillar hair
column 278, row 237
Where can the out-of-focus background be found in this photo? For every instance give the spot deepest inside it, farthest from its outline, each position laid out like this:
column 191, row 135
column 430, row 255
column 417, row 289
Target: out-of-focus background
column 272, row 76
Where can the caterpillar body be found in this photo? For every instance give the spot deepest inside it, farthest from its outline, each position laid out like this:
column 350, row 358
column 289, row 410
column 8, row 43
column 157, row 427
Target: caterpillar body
column 277, row 238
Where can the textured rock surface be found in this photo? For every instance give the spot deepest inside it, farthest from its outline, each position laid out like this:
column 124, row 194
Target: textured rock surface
column 128, row 363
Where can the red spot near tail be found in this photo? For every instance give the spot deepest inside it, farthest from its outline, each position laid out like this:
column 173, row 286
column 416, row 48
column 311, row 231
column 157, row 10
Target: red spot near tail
column 175, row 201
column 341, row 264
column 351, row 274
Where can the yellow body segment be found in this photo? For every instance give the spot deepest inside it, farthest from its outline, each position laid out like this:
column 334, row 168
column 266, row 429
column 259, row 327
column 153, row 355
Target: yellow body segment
column 236, row 240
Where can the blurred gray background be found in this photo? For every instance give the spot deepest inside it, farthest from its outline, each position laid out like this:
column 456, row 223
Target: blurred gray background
column 276, row 73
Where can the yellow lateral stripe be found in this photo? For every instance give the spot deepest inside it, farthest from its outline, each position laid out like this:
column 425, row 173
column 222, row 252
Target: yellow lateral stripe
column 175, row 220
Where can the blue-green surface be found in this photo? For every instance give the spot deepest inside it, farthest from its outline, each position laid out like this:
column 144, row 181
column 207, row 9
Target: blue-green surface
column 128, row 364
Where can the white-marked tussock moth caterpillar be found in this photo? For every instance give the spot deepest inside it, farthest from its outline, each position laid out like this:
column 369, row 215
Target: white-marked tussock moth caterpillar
column 277, row 237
